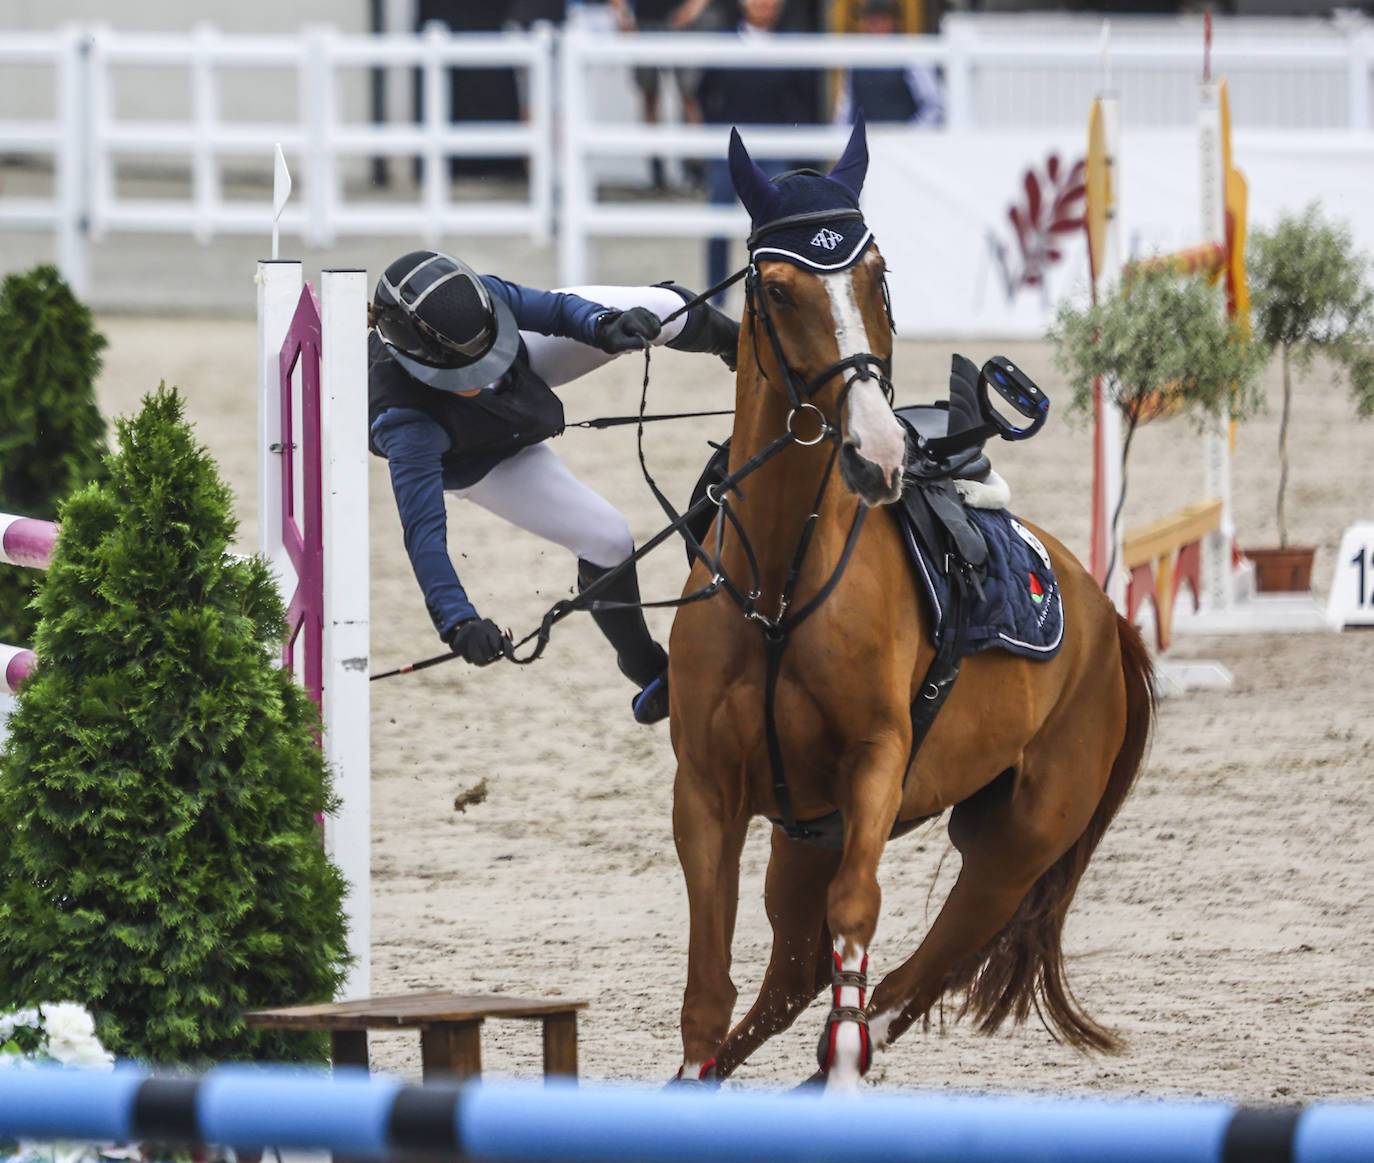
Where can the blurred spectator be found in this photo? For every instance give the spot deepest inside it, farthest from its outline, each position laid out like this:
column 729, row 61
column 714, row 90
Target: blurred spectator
column 526, row 13
column 668, row 16
column 474, row 94
column 914, row 94
column 751, row 96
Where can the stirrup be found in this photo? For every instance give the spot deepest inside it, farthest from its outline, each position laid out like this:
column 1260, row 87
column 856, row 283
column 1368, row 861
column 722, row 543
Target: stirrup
column 651, row 704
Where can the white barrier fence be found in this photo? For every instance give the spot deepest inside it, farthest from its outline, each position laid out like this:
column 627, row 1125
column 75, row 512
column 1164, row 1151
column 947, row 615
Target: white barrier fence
column 212, row 94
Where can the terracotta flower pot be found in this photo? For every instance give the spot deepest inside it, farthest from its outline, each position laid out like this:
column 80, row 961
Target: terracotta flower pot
column 1283, row 570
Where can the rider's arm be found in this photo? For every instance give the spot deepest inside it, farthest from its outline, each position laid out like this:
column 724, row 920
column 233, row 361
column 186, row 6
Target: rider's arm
column 549, row 312
column 413, row 445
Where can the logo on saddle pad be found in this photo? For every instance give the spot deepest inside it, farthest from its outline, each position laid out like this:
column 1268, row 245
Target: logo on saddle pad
column 1032, row 540
column 827, row 238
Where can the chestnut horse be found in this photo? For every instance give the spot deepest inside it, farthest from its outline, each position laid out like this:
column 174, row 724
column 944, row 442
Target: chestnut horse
column 791, row 694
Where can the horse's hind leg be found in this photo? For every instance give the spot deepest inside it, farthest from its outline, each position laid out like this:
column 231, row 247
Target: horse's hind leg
column 801, row 961
column 1007, row 842
column 709, row 840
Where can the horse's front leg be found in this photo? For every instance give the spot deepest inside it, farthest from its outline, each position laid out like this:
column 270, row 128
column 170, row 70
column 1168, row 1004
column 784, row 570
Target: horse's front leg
column 870, row 807
column 709, row 838
column 800, row 965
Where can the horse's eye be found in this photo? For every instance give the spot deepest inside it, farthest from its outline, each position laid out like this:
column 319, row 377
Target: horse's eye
column 777, row 294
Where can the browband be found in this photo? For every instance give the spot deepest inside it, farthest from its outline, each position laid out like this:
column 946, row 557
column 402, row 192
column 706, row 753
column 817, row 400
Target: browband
column 805, row 219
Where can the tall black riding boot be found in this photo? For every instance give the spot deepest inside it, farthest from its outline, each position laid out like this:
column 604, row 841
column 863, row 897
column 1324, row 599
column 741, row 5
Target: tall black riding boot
column 639, row 657
column 706, row 329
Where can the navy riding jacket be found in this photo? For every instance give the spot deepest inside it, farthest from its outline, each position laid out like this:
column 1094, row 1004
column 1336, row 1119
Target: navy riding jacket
column 415, row 446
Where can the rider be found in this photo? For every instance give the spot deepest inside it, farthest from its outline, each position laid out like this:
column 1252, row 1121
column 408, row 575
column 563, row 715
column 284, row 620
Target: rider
column 460, row 371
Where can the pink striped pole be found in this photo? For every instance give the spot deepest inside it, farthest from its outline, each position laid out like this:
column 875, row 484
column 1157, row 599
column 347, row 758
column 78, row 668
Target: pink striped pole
column 16, row 664
column 29, row 542
column 26, row 541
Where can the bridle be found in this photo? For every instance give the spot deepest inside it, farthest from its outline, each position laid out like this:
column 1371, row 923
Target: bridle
column 777, row 629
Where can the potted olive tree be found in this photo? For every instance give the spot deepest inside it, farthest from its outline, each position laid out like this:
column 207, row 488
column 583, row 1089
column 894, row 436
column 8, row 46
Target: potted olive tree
column 1163, row 345
column 1310, row 295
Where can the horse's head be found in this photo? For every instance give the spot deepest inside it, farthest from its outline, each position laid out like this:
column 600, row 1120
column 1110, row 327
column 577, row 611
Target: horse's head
column 818, row 304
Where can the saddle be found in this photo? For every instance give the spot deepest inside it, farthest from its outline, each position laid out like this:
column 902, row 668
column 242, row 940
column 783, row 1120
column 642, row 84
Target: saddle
column 931, row 499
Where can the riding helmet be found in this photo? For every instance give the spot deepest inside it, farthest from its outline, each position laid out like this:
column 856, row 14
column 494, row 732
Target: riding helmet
column 441, row 323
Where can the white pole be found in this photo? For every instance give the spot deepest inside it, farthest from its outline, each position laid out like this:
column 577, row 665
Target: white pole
column 541, row 117
column 574, row 253
column 279, row 287
column 1216, row 450
column 347, row 727
column 434, row 182
column 73, row 162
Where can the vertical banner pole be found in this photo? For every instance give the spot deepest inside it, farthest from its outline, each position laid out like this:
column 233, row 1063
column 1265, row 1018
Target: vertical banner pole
column 1104, row 233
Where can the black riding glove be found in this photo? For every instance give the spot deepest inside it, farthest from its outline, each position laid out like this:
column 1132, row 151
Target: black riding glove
column 477, row 640
column 618, row 331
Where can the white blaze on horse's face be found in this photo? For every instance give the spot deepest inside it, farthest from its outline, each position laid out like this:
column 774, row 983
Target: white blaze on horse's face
column 874, row 439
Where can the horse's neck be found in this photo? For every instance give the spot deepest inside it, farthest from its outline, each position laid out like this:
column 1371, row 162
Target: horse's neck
column 776, row 500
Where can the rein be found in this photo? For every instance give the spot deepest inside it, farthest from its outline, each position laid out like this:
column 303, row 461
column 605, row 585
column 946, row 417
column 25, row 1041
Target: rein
column 678, row 522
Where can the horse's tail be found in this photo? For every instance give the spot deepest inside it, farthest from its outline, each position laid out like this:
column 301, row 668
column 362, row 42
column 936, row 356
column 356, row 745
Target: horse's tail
column 1023, row 966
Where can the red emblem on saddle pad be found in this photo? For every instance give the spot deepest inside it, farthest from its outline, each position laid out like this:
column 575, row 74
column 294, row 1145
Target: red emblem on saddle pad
column 1037, row 591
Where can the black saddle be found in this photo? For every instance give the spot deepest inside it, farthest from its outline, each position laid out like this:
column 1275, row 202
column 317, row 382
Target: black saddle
column 946, row 418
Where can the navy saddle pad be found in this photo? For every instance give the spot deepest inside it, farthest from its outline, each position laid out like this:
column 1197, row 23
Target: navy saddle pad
column 1021, row 609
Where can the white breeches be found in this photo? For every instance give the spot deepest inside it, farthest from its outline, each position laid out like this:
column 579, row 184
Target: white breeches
column 534, row 490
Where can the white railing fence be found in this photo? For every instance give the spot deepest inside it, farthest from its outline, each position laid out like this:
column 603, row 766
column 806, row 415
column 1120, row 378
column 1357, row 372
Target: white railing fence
column 208, row 108
column 328, row 145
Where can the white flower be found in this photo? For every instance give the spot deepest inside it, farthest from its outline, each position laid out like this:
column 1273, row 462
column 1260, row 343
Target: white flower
column 14, row 1020
column 71, row 1036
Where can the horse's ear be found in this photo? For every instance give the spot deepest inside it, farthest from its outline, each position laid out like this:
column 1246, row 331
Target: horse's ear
column 849, row 171
column 755, row 189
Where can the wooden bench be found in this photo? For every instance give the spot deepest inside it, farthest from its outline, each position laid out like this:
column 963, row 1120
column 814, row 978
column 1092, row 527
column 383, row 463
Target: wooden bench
column 1160, row 556
column 450, row 1026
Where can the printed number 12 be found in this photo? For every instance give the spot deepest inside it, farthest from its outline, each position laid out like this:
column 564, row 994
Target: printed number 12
column 1363, row 597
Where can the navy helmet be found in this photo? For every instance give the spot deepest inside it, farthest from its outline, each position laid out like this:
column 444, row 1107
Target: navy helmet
column 439, row 321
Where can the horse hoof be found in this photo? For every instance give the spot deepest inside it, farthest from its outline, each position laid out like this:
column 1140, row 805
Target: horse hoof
column 708, row 1079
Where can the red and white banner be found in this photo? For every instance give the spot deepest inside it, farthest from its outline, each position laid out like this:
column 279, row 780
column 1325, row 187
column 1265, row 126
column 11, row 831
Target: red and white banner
column 978, row 232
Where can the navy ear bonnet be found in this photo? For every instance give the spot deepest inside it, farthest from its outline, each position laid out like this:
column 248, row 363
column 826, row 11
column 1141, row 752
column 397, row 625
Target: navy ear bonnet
column 803, row 217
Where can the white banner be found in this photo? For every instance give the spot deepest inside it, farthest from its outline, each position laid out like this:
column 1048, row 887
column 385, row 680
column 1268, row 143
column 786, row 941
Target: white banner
column 979, row 229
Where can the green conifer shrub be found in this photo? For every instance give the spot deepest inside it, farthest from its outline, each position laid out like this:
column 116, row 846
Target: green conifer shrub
column 52, row 438
column 160, row 858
